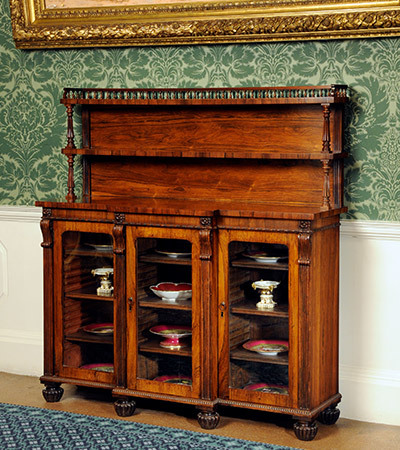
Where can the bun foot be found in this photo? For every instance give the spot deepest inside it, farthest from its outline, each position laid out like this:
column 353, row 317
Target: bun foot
column 124, row 407
column 208, row 420
column 305, row 431
column 52, row 393
column 330, row 415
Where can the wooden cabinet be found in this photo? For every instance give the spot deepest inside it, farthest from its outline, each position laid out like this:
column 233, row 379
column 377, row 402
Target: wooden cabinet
column 217, row 194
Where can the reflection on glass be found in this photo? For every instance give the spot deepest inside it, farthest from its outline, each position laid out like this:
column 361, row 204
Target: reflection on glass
column 258, row 317
column 164, row 291
column 88, row 318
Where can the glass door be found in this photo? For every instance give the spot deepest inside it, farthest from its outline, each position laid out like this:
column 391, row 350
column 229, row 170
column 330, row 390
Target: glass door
column 85, row 310
column 163, row 330
column 257, row 320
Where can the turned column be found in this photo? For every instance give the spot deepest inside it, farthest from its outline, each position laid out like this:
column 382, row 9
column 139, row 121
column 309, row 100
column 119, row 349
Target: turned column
column 70, row 197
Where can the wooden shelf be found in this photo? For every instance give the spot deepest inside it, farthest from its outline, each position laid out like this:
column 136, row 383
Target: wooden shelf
column 245, row 355
column 89, row 252
column 184, row 305
column 170, row 153
column 248, row 263
column 250, row 308
column 82, row 336
column 156, row 258
column 87, row 296
column 153, row 346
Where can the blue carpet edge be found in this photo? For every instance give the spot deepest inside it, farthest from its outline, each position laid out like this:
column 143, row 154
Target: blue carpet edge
column 126, row 423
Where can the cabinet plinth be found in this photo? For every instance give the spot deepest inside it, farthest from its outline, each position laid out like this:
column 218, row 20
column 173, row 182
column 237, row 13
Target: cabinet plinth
column 201, row 266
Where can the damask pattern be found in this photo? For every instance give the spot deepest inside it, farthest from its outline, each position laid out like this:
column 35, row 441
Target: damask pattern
column 33, row 123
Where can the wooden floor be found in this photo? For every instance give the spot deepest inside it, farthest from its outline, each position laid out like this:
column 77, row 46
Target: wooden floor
column 273, row 429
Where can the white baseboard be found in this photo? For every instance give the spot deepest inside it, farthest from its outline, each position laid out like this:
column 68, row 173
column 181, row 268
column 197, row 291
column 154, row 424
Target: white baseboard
column 369, row 334
column 370, row 395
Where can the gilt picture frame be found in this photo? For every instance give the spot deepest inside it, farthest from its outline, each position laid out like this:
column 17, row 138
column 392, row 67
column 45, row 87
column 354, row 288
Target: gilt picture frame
column 104, row 23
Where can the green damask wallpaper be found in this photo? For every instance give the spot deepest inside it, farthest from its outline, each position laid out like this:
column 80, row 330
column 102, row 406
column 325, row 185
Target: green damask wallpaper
column 33, row 123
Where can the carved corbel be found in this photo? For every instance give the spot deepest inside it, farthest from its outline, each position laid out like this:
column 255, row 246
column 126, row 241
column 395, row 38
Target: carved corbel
column 118, row 233
column 46, row 225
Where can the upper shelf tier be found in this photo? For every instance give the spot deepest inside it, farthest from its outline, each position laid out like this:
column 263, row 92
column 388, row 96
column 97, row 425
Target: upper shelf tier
column 334, row 93
column 274, row 145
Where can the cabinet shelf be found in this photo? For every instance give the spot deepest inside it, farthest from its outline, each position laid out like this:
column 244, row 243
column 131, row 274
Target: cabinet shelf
column 178, row 153
column 245, row 355
column 184, row 305
column 160, row 259
column 246, row 263
column 153, row 346
column 89, row 252
column 250, row 308
column 82, row 336
column 78, row 295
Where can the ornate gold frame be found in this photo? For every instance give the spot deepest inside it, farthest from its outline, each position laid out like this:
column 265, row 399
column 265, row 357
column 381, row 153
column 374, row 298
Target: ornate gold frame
column 148, row 22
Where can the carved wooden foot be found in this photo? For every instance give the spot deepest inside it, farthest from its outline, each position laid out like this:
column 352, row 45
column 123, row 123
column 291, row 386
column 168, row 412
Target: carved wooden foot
column 305, row 431
column 53, row 392
column 124, row 407
column 208, row 419
column 330, row 415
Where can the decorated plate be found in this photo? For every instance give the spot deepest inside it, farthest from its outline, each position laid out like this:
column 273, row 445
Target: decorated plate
column 267, row 388
column 101, row 367
column 174, row 254
column 263, row 257
column 175, row 379
column 99, row 328
column 270, row 347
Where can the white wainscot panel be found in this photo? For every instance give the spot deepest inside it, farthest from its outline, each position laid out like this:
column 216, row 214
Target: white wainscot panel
column 21, row 347
column 369, row 325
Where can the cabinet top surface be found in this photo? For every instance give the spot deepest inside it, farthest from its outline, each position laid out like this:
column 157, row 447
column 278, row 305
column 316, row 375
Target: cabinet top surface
column 334, row 93
column 198, row 208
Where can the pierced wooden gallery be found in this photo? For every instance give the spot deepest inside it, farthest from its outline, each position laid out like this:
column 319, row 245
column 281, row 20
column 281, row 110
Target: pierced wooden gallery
column 201, row 265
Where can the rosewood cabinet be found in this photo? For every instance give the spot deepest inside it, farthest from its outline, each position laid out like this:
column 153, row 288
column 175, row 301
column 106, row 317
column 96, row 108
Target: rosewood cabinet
column 232, row 198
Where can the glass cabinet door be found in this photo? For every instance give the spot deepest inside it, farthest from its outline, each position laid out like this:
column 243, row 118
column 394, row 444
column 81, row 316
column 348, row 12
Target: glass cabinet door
column 258, row 327
column 164, row 335
column 85, row 325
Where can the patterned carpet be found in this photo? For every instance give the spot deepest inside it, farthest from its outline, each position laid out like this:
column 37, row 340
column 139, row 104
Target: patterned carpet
column 23, row 427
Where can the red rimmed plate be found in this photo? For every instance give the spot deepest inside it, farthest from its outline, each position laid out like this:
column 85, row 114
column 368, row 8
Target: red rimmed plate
column 101, row 367
column 267, row 388
column 269, row 348
column 175, row 379
column 99, row 328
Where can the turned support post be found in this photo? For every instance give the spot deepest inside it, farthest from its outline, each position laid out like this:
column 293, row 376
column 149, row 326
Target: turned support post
column 326, row 190
column 70, row 145
column 71, row 197
column 326, row 150
column 70, row 127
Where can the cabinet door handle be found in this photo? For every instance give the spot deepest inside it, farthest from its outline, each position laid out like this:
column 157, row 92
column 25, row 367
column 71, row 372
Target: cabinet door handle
column 222, row 307
column 130, row 303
